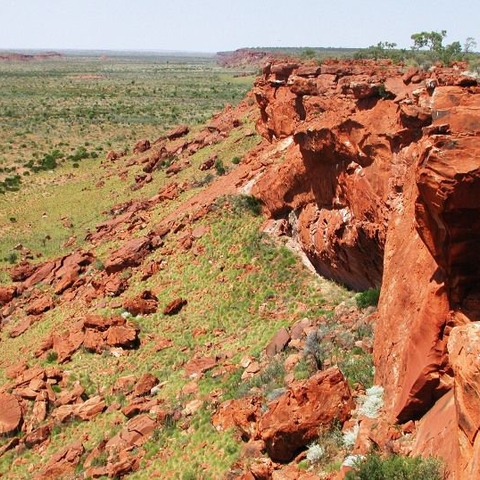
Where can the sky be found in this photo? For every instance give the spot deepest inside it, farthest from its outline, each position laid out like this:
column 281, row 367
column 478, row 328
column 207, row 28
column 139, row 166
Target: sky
column 222, row 25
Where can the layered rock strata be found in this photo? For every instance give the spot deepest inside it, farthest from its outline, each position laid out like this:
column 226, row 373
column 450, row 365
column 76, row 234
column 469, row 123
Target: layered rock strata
column 379, row 183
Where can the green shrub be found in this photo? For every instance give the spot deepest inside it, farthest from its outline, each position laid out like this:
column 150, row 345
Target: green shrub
column 49, row 161
column 358, row 369
column 100, row 460
column 80, row 154
column 236, row 160
column 98, row 265
column 368, row 298
column 271, row 378
column 396, row 467
column 52, row 356
column 248, row 203
column 318, row 346
column 219, row 167
column 11, row 258
column 203, row 181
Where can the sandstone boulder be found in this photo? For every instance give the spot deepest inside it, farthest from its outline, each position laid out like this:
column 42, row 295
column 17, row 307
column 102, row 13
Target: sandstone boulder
column 141, row 146
column 143, row 304
column 136, row 432
column 125, row 336
column 131, row 254
column 7, row 294
column 40, row 305
column 10, row 413
column 243, row 413
column 67, row 343
column 174, row 306
column 38, row 436
column 100, row 323
column 42, row 273
column 62, row 463
column 278, row 343
column 145, row 384
column 22, row 271
column 293, row 420
column 177, row 132
column 90, row 408
column 169, row 192
column 115, row 285
column 21, row 327
column 197, row 366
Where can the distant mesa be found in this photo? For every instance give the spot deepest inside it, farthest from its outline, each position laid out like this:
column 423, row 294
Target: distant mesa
column 24, row 57
column 244, row 57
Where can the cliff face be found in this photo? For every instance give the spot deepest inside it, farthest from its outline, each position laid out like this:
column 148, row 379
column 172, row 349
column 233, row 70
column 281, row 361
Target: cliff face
column 380, row 185
column 350, row 131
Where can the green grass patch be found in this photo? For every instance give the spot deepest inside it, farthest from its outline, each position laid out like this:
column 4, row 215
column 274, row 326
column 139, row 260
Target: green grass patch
column 368, row 298
column 396, row 467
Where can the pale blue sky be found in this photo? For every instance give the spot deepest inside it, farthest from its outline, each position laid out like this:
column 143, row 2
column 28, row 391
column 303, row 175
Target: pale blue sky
column 214, row 25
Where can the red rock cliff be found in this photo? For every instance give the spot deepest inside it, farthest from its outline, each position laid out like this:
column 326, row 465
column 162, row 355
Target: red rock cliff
column 378, row 174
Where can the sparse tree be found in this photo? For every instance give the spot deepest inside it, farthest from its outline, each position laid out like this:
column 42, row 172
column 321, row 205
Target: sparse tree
column 470, row 45
column 431, row 40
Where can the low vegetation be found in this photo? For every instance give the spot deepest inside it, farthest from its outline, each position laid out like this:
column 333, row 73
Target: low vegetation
column 60, row 112
column 395, row 467
column 368, row 298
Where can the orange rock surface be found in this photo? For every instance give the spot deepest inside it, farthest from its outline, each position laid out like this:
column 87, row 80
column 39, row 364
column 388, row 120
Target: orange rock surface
column 376, row 174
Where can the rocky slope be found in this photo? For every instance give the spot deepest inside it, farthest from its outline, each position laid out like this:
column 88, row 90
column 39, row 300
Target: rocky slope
column 372, row 170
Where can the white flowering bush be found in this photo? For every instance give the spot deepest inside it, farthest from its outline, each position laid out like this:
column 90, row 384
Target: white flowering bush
column 350, row 437
column 371, row 402
column 352, row 460
column 315, row 453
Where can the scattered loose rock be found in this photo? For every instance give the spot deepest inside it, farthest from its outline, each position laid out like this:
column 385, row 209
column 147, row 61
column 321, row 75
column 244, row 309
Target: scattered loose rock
column 174, row 306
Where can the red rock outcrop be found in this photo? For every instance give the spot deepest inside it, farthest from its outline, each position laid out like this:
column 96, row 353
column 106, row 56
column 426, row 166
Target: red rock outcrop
column 293, row 420
column 433, row 230
column 63, row 463
column 10, row 413
column 334, row 181
column 7, row 294
column 130, row 254
column 143, row 304
column 174, row 306
column 375, row 171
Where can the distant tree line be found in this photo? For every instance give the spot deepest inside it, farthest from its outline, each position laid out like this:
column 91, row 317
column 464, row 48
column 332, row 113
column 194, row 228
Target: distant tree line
column 427, row 48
